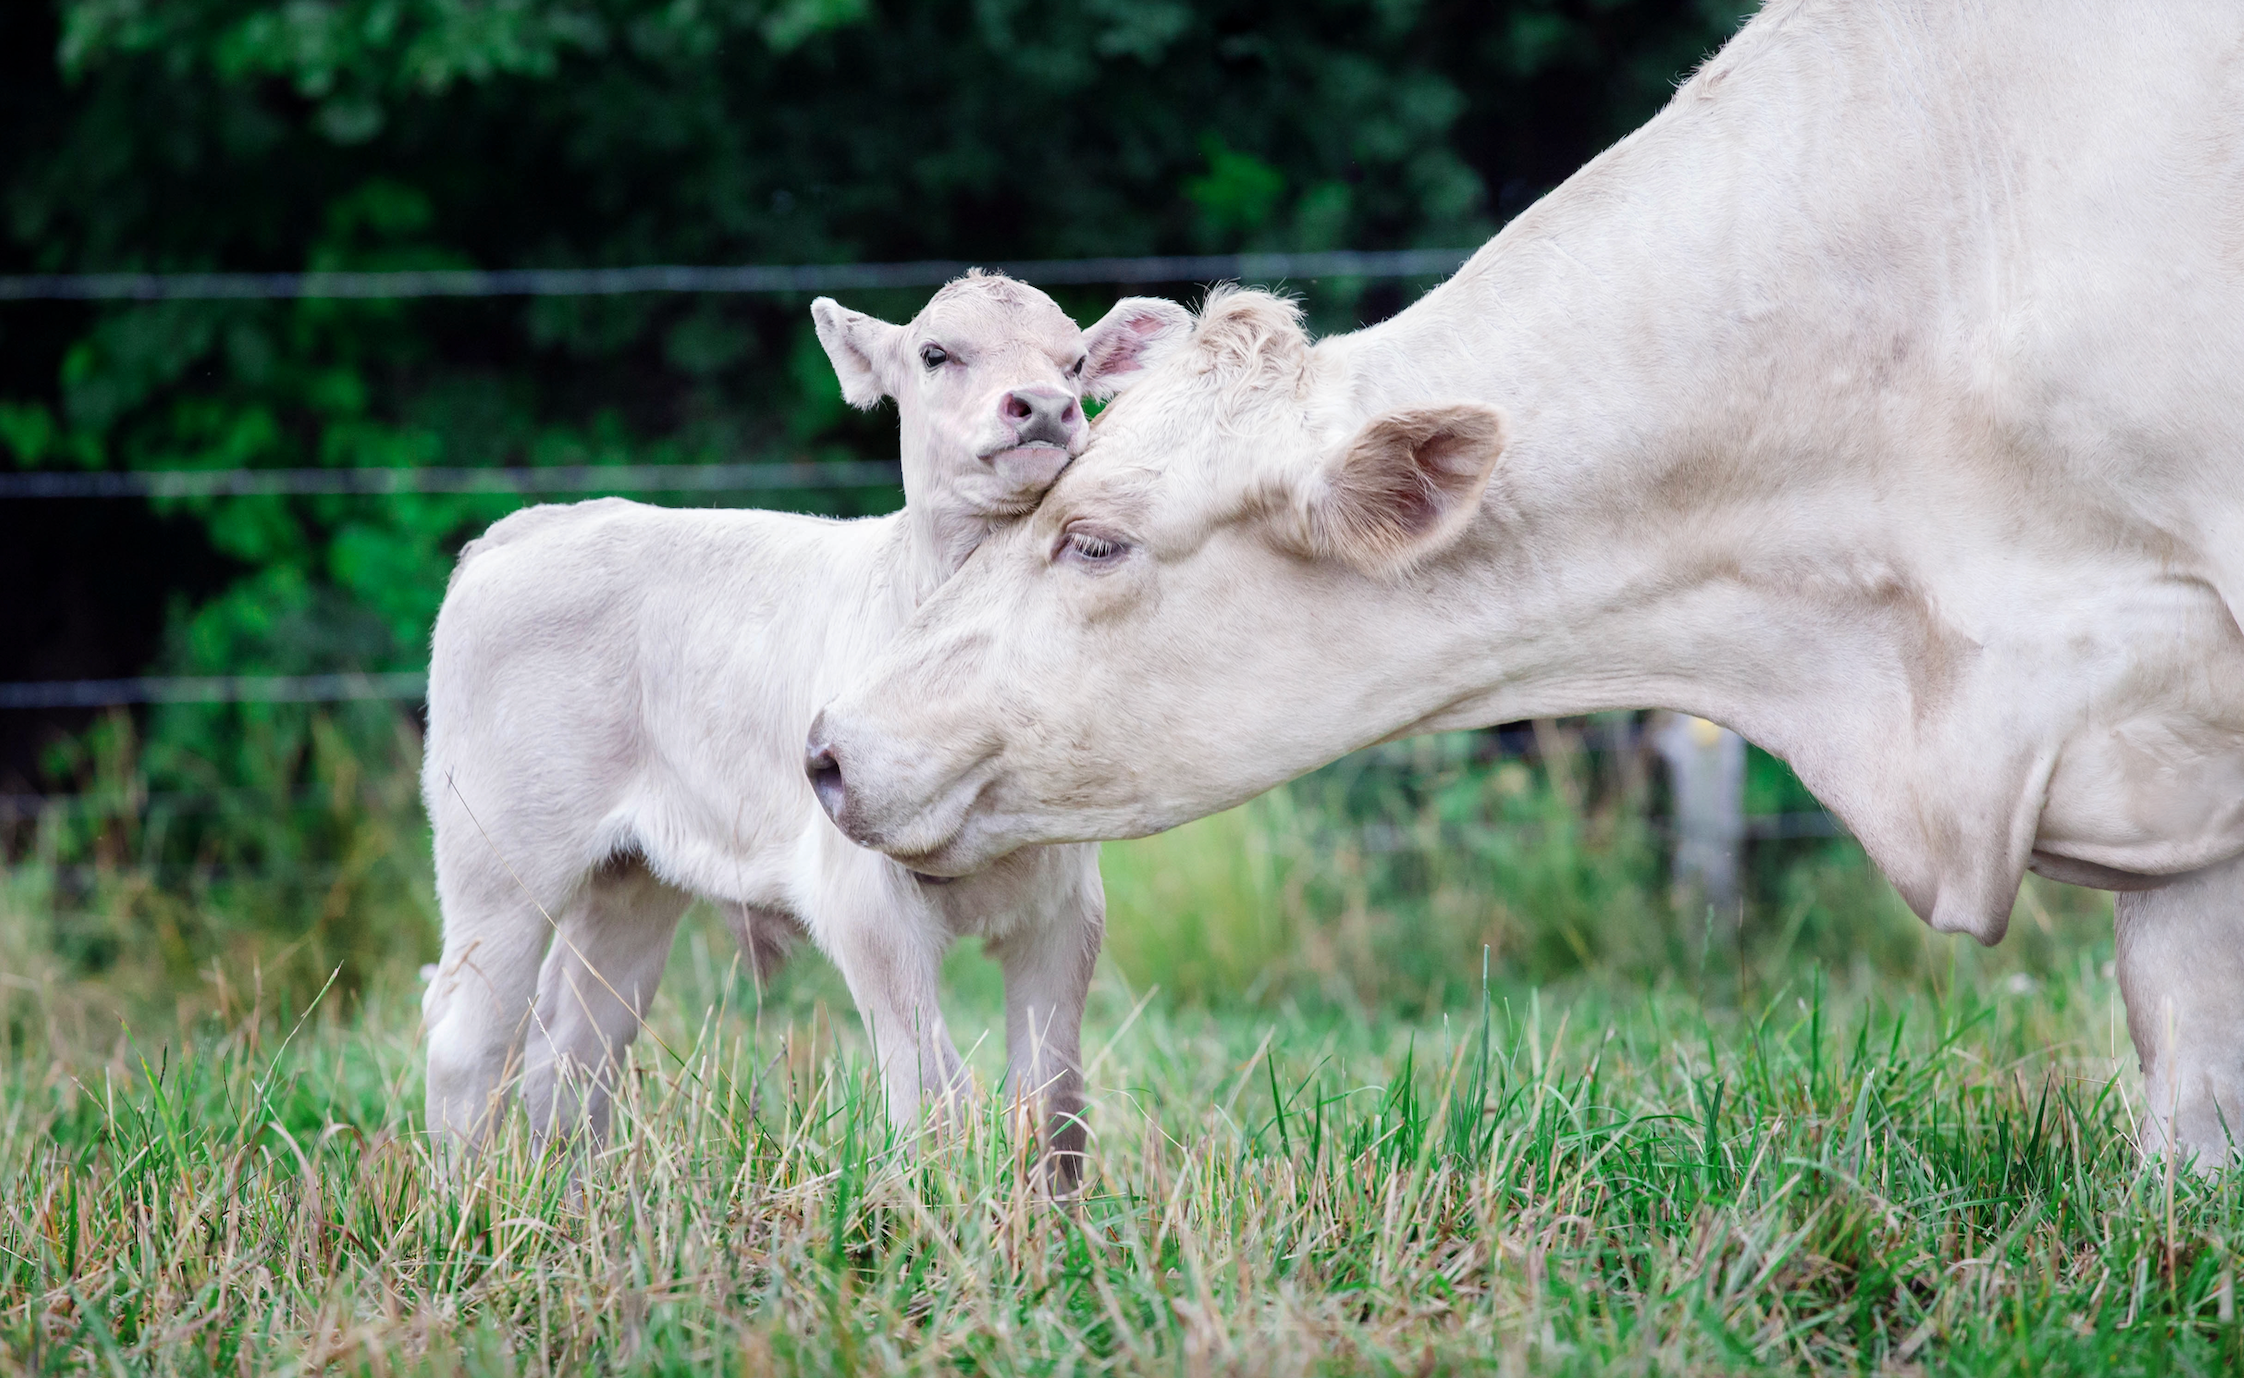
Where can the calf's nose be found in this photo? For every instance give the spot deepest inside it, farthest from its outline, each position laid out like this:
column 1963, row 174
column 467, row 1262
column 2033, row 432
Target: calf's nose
column 825, row 772
column 1040, row 415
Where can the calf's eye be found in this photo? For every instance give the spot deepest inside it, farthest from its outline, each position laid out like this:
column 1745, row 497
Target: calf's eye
column 934, row 356
column 1077, row 371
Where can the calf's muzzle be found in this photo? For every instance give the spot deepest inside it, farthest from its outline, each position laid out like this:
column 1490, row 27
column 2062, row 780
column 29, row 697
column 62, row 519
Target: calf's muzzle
column 1041, row 416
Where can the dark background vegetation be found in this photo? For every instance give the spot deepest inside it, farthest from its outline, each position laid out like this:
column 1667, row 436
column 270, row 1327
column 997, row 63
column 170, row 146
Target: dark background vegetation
column 249, row 135
column 169, row 135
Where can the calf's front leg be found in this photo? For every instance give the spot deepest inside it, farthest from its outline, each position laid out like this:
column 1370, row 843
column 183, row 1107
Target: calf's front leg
column 888, row 942
column 2181, row 969
column 1047, row 979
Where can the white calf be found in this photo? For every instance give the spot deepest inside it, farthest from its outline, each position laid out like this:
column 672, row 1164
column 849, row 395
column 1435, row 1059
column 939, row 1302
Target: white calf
column 618, row 696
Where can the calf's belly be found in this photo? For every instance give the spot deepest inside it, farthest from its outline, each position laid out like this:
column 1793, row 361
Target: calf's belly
column 747, row 855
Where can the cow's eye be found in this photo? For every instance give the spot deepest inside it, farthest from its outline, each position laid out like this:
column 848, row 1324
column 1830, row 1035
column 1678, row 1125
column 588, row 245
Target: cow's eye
column 1086, row 546
column 1077, row 371
column 934, row 356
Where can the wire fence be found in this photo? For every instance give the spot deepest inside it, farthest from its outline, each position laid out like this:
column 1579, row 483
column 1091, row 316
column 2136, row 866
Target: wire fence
column 742, row 477
column 746, row 278
column 1509, row 741
column 402, row 686
column 1370, row 839
column 797, row 476
column 770, row 476
column 1377, row 838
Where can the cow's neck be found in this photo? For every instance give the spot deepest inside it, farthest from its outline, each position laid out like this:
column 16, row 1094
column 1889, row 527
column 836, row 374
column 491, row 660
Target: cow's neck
column 1632, row 553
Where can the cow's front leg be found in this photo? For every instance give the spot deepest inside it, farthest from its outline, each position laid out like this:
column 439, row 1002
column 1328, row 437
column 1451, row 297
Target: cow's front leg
column 2181, row 968
column 888, row 941
column 1047, row 979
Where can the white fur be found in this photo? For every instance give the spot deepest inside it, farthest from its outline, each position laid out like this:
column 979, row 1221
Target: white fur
column 1883, row 399
column 618, row 697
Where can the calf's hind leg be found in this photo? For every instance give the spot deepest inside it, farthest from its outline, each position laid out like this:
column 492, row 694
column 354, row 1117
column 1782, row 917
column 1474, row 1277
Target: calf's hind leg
column 611, row 942
column 766, row 937
column 478, row 999
column 2181, row 969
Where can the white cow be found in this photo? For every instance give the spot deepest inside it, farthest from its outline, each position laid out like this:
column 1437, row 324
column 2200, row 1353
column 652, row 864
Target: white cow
column 617, row 701
column 1883, row 399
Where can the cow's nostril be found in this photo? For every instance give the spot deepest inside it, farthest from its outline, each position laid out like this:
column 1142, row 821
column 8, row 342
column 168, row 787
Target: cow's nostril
column 825, row 774
column 1017, row 407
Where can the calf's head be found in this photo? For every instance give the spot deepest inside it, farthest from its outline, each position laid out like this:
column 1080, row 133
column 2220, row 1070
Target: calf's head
column 1205, row 604
column 989, row 380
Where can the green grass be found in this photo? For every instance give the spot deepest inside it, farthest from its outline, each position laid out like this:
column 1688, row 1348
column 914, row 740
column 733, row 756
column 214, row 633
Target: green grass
column 1815, row 1138
column 1591, row 1178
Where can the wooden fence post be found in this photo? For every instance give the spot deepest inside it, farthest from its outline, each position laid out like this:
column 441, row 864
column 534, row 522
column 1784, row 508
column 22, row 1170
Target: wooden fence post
column 1706, row 780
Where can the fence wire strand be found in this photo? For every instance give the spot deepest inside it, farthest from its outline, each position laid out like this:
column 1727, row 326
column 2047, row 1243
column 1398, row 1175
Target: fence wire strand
column 536, row 282
column 774, row 476
column 744, row 278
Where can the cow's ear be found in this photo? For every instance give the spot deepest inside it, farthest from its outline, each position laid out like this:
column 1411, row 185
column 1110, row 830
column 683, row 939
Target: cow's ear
column 1127, row 340
column 863, row 350
column 1404, row 486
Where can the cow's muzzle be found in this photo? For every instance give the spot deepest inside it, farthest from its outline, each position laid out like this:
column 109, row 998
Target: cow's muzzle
column 824, row 768
column 859, row 785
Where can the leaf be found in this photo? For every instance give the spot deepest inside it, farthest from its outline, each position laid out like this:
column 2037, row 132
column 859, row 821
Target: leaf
column 1238, row 192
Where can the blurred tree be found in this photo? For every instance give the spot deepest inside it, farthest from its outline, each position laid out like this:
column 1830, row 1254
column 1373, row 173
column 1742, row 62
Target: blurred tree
column 286, row 134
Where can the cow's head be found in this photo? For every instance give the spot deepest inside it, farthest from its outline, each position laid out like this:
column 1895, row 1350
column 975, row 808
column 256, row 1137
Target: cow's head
column 989, row 380
column 1203, row 606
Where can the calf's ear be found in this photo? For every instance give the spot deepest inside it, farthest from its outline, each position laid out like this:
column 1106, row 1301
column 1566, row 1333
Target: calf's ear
column 863, row 350
column 1404, row 486
column 1127, row 339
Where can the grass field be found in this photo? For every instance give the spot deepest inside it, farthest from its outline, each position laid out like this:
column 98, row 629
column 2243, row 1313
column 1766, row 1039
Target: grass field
column 1574, row 1180
column 1710, row 1156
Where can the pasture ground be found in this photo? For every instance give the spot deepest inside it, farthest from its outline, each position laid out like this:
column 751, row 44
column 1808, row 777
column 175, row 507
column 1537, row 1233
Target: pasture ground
column 1758, row 1171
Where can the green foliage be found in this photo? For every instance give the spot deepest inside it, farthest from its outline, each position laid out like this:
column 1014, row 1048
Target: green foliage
column 1381, row 881
column 508, row 133
column 1393, row 879
column 385, row 134
column 277, row 844
column 292, row 838
column 1238, row 193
